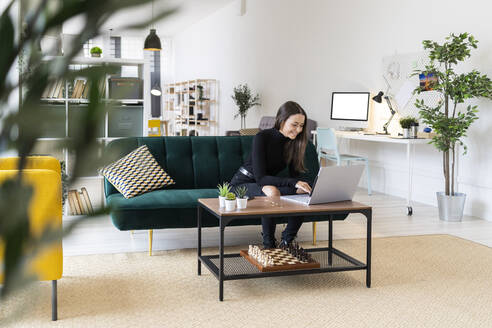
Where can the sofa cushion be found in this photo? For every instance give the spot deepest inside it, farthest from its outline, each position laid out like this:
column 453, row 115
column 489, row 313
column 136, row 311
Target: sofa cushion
column 163, row 209
column 205, row 161
column 178, row 154
column 161, row 199
column 137, row 173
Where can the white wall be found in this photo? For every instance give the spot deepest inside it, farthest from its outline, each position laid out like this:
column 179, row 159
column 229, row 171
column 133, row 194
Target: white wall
column 304, row 50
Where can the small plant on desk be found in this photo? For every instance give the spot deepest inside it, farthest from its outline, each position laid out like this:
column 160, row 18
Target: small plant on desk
column 224, row 189
column 406, row 123
column 230, row 202
column 242, row 199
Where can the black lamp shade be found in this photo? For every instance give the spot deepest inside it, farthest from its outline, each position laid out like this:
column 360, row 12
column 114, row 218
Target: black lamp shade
column 379, row 97
column 152, row 41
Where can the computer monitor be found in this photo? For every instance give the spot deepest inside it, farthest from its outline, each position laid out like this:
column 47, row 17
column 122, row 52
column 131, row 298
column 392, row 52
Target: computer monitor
column 350, row 109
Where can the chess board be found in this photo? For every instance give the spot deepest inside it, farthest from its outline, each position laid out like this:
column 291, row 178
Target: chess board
column 282, row 261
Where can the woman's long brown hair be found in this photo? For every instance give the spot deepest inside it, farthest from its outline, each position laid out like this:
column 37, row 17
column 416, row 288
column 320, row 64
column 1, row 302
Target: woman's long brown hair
column 294, row 149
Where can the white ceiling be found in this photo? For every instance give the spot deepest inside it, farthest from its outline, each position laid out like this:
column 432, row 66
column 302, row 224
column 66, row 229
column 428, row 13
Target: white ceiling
column 188, row 13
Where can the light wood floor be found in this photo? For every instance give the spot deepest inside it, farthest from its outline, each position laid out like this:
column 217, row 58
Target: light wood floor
column 98, row 236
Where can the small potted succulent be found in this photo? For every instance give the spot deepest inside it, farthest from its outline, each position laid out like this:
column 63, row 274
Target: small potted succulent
column 224, row 189
column 96, row 52
column 407, row 123
column 242, row 199
column 230, row 202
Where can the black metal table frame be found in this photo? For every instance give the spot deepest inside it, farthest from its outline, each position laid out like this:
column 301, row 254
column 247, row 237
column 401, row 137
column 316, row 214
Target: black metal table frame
column 225, row 220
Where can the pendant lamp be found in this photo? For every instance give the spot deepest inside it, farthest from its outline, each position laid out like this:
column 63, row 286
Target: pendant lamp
column 152, row 41
column 156, row 90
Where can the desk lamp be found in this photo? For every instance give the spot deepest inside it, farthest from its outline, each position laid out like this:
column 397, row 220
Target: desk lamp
column 379, row 99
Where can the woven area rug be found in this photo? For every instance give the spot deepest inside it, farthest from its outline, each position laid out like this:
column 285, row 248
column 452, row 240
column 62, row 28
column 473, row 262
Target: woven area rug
column 417, row 281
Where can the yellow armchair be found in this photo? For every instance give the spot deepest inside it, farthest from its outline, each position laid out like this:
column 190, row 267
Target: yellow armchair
column 45, row 210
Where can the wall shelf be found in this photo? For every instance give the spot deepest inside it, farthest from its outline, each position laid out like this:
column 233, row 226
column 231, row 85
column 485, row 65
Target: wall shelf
column 184, row 109
column 124, row 118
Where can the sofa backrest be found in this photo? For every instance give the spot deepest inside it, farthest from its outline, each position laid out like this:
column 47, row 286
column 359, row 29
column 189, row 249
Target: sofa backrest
column 199, row 162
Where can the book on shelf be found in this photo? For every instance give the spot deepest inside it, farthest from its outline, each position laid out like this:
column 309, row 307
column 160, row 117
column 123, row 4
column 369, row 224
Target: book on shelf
column 81, row 89
column 71, row 203
column 62, row 89
column 47, row 91
column 52, row 89
column 72, row 196
column 75, row 88
column 83, row 204
column 80, row 85
column 79, row 202
column 56, row 89
column 85, row 92
column 79, row 205
column 78, row 89
column 85, row 196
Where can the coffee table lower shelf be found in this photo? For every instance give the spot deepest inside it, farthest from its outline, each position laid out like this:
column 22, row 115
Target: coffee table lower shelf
column 237, row 267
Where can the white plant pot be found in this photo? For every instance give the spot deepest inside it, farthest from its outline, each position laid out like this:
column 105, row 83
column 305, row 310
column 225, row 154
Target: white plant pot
column 242, row 203
column 451, row 207
column 230, row 205
column 406, row 133
column 221, row 201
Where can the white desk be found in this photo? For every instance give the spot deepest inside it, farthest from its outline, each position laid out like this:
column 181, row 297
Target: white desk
column 384, row 138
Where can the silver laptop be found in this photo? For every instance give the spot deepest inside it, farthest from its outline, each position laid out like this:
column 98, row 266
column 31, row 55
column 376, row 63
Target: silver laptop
column 333, row 184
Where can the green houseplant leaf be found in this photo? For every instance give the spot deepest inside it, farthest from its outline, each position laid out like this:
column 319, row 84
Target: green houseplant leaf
column 21, row 126
column 448, row 119
column 244, row 100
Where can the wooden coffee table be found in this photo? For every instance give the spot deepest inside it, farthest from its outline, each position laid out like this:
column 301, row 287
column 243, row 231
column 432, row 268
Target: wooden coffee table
column 234, row 266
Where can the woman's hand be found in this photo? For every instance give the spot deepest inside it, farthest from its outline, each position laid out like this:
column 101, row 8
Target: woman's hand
column 303, row 187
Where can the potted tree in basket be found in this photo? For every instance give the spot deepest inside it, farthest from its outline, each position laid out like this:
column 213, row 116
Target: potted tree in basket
column 242, row 199
column 224, row 189
column 96, row 52
column 244, row 100
column 449, row 119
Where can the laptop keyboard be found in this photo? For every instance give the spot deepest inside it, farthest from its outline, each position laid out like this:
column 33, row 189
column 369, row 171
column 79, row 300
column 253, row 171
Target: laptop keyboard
column 298, row 198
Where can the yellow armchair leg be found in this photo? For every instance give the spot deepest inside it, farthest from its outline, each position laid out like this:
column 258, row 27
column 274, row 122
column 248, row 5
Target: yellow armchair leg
column 54, row 301
column 314, row 233
column 150, row 242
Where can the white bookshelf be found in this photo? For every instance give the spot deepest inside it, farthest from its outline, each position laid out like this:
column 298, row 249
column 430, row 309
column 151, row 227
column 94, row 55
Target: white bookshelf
column 186, row 110
column 66, row 107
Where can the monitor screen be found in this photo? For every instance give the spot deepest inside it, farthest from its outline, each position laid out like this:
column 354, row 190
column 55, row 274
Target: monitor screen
column 350, row 106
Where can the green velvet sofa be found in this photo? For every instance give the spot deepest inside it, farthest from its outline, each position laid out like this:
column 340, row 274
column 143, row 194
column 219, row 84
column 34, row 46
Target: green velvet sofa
column 197, row 165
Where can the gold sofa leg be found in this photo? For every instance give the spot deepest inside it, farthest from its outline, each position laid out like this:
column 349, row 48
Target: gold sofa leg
column 150, row 242
column 314, row 233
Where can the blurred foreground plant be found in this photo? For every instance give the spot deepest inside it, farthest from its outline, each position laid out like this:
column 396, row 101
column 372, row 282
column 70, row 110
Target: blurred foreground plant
column 21, row 124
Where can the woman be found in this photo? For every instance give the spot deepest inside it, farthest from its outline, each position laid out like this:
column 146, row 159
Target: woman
column 273, row 150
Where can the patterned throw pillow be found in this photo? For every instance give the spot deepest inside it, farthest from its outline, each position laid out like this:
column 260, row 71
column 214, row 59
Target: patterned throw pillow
column 137, row 173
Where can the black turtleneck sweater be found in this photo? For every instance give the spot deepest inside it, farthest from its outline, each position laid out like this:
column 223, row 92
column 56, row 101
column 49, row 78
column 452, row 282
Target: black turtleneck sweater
column 267, row 159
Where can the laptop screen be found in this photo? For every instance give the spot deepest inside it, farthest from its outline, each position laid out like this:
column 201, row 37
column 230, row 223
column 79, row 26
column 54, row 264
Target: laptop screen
column 314, row 185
